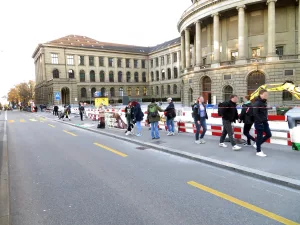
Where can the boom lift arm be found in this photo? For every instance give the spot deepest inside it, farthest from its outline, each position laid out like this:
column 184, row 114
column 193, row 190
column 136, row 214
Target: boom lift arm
column 286, row 86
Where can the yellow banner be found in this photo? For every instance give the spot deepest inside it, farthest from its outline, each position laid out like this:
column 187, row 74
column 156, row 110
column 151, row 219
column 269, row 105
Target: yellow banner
column 99, row 101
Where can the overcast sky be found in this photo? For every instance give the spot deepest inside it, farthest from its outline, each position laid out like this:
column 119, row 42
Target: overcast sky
column 25, row 24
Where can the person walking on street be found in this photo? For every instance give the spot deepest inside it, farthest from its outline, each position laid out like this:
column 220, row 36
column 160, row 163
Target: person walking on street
column 247, row 117
column 154, row 118
column 129, row 114
column 229, row 116
column 81, row 110
column 261, row 124
column 170, row 114
column 55, row 110
column 200, row 117
column 138, row 118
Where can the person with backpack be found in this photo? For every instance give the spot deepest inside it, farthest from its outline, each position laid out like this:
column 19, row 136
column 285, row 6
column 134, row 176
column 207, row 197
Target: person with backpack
column 261, row 124
column 138, row 118
column 229, row 115
column 129, row 114
column 247, row 117
column 81, row 110
column 200, row 117
column 170, row 114
column 154, row 118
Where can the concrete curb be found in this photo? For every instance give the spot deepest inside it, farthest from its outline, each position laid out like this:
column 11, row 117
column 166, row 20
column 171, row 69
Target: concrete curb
column 4, row 182
column 277, row 179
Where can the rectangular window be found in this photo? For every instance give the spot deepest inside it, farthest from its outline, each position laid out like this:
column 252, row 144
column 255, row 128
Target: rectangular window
column 81, row 60
column 288, row 72
column 110, row 62
column 168, row 59
column 279, row 50
column 287, row 96
column 143, row 64
column 227, row 77
column 101, row 61
column 175, row 57
column 70, row 59
column 204, row 61
column 162, row 60
column 135, row 62
column 54, row 58
column 127, row 63
column 119, row 63
column 234, row 55
column 255, row 52
column 156, row 62
column 91, row 61
column 151, row 62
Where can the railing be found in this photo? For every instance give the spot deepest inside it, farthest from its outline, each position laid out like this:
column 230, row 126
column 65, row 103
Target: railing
column 288, row 57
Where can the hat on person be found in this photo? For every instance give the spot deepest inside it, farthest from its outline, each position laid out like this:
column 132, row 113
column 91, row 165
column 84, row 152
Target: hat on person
column 169, row 99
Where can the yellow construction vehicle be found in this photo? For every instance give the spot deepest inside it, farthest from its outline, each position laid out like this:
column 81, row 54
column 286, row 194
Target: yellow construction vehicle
column 286, row 86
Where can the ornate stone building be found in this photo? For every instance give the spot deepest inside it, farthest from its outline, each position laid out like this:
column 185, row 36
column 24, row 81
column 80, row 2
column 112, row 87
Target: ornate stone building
column 226, row 46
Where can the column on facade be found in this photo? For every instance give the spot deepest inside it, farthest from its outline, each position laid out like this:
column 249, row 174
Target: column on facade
column 187, row 47
column 216, row 45
column 241, row 33
column 182, row 51
column 299, row 30
column 198, row 44
column 193, row 58
column 271, row 31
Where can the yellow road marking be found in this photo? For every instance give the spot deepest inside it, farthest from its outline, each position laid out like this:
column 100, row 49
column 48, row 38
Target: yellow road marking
column 33, row 120
column 11, row 121
column 111, row 150
column 51, row 125
column 70, row 133
column 22, row 120
column 246, row 205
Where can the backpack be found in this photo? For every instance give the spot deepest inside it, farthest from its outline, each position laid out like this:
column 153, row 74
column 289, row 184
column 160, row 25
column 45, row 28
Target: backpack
column 153, row 111
column 220, row 109
column 171, row 114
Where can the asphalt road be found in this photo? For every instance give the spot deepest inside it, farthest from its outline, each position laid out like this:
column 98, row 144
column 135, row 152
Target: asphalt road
column 62, row 175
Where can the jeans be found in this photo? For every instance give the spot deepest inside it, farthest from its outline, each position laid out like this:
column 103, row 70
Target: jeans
column 154, row 130
column 261, row 128
column 139, row 126
column 170, row 125
column 198, row 127
column 227, row 129
column 246, row 132
column 81, row 116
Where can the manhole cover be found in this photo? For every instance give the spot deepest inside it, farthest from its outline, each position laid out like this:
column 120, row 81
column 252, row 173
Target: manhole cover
column 141, row 148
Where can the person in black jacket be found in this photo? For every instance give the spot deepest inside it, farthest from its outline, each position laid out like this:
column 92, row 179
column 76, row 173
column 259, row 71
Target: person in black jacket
column 81, row 110
column 55, row 110
column 170, row 114
column 230, row 115
column 129, row 114
column 247, row 117
column 138, row 117
column 200, row 117
column 260, row 112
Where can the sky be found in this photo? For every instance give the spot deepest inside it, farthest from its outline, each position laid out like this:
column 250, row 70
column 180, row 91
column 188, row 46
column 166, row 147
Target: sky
column 25, row 24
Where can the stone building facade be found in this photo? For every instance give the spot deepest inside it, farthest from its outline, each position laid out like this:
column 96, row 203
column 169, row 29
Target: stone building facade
column 225, row 47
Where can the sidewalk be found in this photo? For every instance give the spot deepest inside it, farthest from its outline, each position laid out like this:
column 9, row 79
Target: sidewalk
column 280, row 161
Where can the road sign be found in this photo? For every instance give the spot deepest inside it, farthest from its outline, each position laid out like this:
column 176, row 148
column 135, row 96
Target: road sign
column 57, row 96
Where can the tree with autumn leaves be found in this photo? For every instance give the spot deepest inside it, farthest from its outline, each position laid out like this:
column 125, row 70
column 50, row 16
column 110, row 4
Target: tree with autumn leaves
column 23, row 92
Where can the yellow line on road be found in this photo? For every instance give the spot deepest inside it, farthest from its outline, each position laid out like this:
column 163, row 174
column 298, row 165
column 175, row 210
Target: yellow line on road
column 22, row 121
column 51, row 125
column 11, row 121
column 246, row 205
column 111, row 150
column 70, row 133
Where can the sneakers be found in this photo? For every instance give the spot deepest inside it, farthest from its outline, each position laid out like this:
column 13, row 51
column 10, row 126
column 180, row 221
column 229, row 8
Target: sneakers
column 172, row 133
column 236, row 148
column 127, row 133
column 197, row 142
column 202, row 141
column 169, row 133
column 138, row 135
column 261, row 154
column 223, row 145
column 246, row 145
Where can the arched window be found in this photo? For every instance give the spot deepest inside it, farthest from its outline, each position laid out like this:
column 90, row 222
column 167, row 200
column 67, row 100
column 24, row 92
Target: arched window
column 169, row 89
column 55, row 73
column 206, row 89
column 169, row 74
column 157, row 75
column 157, row 90
column 71, row 74
column 120, row 76
column 111, row 76
column 255, row 80
column 152, row 76
column 145, row 91
column 163, row 75
column 129, row 91
column 175, row 73
column 93, row 90
column 175, row 91
column 136, row 77
column 137, row 91
column 144, row 79
column 121, row 91
column 82, row 76
column 128, row 77
column 102, row 76
column 103, row 92
column 83, row 92
column 112, row 92
column 227, row 92
column 92, row 76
